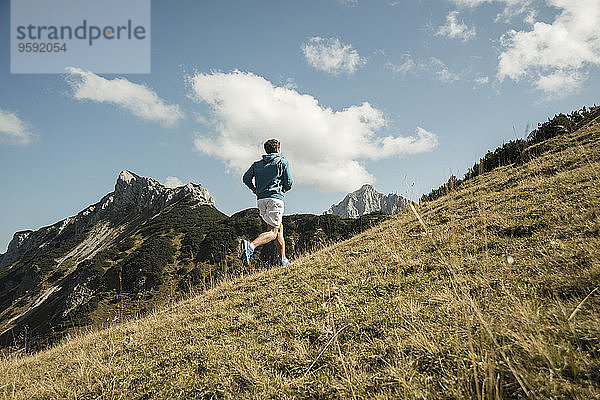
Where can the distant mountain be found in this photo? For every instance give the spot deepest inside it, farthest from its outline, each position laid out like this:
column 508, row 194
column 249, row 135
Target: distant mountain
column 367, row 200
column 139, row 247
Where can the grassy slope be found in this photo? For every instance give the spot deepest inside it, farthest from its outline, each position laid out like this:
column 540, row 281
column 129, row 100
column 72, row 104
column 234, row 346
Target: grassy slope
column 442, row 314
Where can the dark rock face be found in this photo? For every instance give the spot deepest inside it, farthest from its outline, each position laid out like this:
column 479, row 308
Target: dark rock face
column 367, row 200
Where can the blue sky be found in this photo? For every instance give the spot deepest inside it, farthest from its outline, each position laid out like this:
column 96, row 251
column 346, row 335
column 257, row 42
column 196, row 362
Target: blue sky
column 395, row 93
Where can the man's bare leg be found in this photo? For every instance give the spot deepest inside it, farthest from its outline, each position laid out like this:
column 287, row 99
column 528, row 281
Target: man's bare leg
column 281, row 243
column 265, row 237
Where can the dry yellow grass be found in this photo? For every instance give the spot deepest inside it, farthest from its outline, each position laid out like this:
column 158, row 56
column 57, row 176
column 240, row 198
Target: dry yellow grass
column 492, row 295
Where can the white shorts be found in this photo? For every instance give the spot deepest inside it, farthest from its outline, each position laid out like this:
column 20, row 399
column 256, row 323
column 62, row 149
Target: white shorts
column 271, row 211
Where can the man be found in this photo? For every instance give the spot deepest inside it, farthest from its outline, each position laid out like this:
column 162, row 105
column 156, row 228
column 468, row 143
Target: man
column 272, row 178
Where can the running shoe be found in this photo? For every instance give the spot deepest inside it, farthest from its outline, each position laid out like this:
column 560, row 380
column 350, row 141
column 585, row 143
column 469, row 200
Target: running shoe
column 286, row 263
column 246, row 252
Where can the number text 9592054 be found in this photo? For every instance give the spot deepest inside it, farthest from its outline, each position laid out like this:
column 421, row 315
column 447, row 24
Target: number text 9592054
column 26, row 47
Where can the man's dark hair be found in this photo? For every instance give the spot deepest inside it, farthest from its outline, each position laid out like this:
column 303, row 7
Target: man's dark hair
column 272, row 146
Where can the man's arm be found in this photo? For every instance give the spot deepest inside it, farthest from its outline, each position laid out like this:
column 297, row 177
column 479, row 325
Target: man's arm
column 247, row 178
column 286, row 179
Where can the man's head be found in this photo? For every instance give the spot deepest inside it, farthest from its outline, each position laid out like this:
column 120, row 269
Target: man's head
column 272, row 146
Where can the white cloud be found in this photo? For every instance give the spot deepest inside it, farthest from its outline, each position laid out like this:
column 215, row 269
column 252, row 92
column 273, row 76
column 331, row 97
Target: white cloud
column 290, row 83
column 432, row 66
column 508, row 3
column 14, row 130
column 138, row 99
column 555, row 56
column 173, row 182
column 406, row 65
column 471, row 3
column 560, row 83
column 480, row 81
column 325, row 147
column 455, row 29
column 332, row 56
column 511, row 9
column 440, row 70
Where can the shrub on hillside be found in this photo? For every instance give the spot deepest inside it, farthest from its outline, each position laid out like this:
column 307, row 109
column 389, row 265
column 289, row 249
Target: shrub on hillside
column 513, row 152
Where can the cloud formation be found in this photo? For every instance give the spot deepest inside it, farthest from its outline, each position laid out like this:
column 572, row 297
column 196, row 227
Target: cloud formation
column 455, row 29
column 173, row 182
column 432, row 66
column 331, row 55
column 137, row 99
column 406, row 65
column 14, row 130
column 512, row 8
column 439, row 69
column 325, row 147
column 350, row 3
column 555, row 56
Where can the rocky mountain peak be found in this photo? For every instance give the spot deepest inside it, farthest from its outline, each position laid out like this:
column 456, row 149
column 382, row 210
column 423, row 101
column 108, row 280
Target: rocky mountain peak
column 144, row 192
column 133, row 195
column 367, row 200
column 126, row 177
column 126, row 180
column 366, row 188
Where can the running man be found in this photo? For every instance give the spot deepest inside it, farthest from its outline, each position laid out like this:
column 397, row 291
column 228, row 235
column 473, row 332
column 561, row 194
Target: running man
column 272, row 178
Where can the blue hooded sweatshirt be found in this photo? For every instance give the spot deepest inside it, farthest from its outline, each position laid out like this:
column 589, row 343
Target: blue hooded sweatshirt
column 271, row 175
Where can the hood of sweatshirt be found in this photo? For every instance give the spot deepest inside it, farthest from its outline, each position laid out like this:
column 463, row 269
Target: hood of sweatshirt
column 271, row 157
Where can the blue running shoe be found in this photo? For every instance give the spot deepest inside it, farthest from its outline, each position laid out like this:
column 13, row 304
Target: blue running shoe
column 246, row 252
column 286, row 263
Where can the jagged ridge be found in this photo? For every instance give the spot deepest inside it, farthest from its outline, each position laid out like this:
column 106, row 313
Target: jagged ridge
column 367, row 200
column 132, row 194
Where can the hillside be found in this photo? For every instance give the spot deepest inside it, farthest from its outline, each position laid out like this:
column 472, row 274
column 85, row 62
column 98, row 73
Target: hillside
column 140, row 247
column 491, row 293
